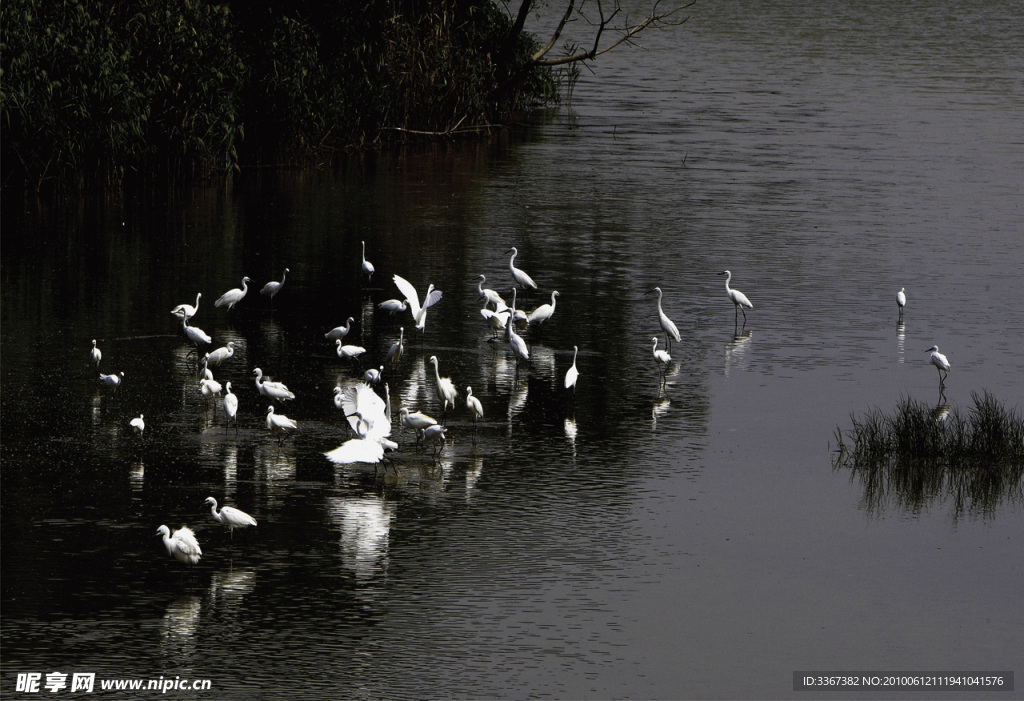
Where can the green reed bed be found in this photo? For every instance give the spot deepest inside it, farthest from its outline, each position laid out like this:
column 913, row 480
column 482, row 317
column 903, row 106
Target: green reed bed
column 921, row 454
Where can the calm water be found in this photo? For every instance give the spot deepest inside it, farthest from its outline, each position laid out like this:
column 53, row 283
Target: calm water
column 633, row 541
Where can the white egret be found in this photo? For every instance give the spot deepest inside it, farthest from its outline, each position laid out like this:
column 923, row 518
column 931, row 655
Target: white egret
column 274, row 390
column 419, row 313
column 416, row 420
column 476, row 409
column 209, row 388
column 667, row 325
column 182, row 545
column 901, row 300
column 739, row 299
column 195, row 335
column 279, row 424
column 273, row 287
column 496, row 320
column 940, row 363
column 393, row 305
column 233, row 296
column 446, row 391
column 112, row 380
column 96, row 354
column 218, row 356
column 397, row 348
column 344, row 351
column 367, row 414
column 367, row 265
column 139, row 424
column 662, row 358
column 543, row 312
column 229, row 516
column 435, row 434
column 337, row 396
column 187, row 311
column 206, row 373
column 572, row 374
column 339, row 331
column 491, row 296
column 231, row 405
column 372, row 375
column 521, row 278
column 515, row 341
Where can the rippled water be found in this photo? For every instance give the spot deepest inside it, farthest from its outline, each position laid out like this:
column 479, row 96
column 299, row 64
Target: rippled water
column 633, row 541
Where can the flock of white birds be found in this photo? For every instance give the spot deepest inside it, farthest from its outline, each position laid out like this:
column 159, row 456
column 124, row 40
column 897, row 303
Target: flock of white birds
column 370, row 416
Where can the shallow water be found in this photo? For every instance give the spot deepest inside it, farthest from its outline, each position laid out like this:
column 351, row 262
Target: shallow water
column 633, row 541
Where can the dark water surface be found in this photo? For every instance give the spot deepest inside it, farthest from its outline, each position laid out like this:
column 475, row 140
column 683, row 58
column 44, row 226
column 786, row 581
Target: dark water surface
column 691, row 540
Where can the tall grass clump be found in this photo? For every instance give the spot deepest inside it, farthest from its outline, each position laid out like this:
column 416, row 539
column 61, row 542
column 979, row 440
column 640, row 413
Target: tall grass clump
column 921, row 454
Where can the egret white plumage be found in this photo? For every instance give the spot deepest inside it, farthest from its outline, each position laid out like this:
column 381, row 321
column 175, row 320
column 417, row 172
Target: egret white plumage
column 940, row 362
column 739, row 299
column 368, row 416
column 195, row 335
column 182, row 545
column 435, row 434
column 543, row 312
column 138, row 424
column 419, row 313
column 490, row 295
column 209, row 388
column 572, row 374
column 662, row 358
column 339, row 331
column 372, row 375
column 229, row 516
column 393, row 305
column 367, row 265
column 416, row 420
column 96, row 354
column 279, row 424
column 231, row 405
column 187, row 311
column 272, row 287
column 446, row 391
column 218, row 356
column 496, row 320
column 347, row 352
column 397, row 348
column 233, row 296
column 901, row 300
column 112, row 380
column 274, row 390
column 515, row 341
column 520, row 276
column 667, row 325
column 476, row 409
column 205, row 373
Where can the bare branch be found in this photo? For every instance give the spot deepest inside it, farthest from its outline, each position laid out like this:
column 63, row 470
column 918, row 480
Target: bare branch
column 557, row 33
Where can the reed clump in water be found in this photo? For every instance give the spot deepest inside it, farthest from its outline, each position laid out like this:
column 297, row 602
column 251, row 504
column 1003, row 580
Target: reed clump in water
column 920, row 454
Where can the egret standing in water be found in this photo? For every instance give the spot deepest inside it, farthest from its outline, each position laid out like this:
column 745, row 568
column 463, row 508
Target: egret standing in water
column 218, row 356
column 476, row 409
column 182, row 545
column 139, row 424
column 279, row 424
column 274, row 390
column 339, row 331
column 419, row 313
column 112, row 380
column 901, row 301
column 187, row 311
column 662, row 358
column 520, row 276
column 230, row 406
column 397, row 348
column 446, row 391
column 739, row 299
column 542, row 313
column 515, row 341
column 96, row 354
column 233, row 296
column 272, row 287
column 667, row 325
column 940, row 363
column 367, row 265
column 229, row 516
column 572, row 374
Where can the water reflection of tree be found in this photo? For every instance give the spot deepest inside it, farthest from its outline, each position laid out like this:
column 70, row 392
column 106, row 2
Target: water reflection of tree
column 922, row 455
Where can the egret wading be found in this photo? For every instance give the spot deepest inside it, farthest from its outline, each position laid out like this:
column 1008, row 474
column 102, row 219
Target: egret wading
column 367, row 265
column 229, row 516
column 233, row 296
column 280, row 425
column 339, row 331
column 274, row 390
column 901, row 301
column 230, row 406
column 542, row 313
column 416, row 420
column 667, row 325
column 112, row 380
column 572, row 374
column 522, row 279
column 490, row 295
column 739, row 299
column 662, row 358
column 940, row 363
column 218, row 356
column 397, row 348
column 181, row 545
column 96, row 354
column 187, row 311
column 272, row 287
column 138, row 424
column 446, row 391
column 476, row 409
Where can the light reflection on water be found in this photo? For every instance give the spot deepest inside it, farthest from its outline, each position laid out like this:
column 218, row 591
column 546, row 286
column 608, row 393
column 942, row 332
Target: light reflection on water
column 636, row 540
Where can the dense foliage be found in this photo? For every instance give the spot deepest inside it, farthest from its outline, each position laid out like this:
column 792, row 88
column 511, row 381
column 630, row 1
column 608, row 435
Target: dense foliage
column 106, row 90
